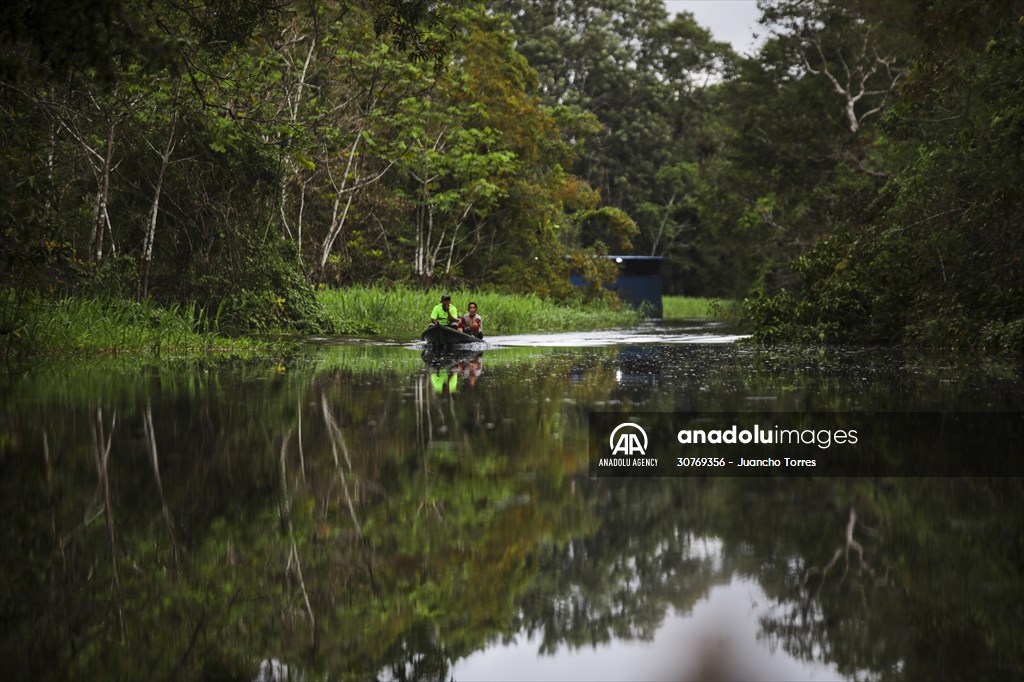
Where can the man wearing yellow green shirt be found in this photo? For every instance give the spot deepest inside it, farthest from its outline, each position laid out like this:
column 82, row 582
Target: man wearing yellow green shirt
column 444, row 313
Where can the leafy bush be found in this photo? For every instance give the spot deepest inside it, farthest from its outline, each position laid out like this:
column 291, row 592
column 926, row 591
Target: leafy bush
column 264, row 290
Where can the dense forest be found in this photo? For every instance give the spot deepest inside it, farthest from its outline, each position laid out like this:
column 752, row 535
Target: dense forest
column 858, row 179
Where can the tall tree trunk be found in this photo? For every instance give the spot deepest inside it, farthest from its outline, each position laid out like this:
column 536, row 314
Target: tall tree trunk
column 51, row 152
column 455, row 233
column 289, row 166
column 147, row 247
column 422, row 233
column 338, row 222
column 99, row 225
column 664, row 221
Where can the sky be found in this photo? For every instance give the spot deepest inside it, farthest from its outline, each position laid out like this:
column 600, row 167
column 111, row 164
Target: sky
column 731, row 21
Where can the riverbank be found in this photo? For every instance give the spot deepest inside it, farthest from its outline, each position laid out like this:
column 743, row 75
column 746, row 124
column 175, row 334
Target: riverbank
column 402, row 312
column 33, row 326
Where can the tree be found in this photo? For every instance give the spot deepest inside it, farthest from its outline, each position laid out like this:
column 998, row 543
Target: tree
column 931, row 257
column 640, row 74
column 848, row 49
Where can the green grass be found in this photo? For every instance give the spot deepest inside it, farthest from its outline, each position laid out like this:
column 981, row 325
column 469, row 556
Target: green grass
column 688, row 307
column 401, row 312
column 35, row 326
column 69, row 326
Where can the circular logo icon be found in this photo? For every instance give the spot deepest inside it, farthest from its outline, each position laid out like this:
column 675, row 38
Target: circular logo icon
column 628, row 439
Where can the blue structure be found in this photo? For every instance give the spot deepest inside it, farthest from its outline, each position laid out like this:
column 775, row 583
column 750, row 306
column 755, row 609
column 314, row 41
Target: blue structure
column 639, row 282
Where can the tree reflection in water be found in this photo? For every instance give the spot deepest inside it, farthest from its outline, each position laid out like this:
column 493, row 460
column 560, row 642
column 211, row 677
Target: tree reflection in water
column 342, row 519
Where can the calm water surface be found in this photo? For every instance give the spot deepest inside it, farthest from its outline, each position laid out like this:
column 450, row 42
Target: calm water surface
column 362, row 510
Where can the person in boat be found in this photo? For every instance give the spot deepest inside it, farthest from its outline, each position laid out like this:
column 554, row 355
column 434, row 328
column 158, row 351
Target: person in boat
column 471, row 323
column 445, row 313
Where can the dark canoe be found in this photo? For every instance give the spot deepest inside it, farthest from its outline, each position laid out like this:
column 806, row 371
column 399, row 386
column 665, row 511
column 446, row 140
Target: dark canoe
column 437, row 336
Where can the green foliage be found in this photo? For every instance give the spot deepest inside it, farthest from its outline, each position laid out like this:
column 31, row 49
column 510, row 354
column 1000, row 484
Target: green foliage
column 166, row 150
column 382, row 141
column 638, row 72
column 934, row 260
column 609, row 226
column 264, row 290
column 838, row 293
column 596, row 273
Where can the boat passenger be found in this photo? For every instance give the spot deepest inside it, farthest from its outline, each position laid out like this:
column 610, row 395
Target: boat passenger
column 445, row 313
column 471, row 323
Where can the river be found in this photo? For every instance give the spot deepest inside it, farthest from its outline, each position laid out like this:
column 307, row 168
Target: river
column 362, row 510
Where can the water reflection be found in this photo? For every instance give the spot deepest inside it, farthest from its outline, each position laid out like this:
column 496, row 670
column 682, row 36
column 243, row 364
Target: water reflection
column 448, row 367
column 335, row 515
column 717, row 639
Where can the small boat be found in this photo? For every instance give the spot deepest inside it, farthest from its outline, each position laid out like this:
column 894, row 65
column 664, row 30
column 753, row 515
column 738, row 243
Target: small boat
column 437, row 336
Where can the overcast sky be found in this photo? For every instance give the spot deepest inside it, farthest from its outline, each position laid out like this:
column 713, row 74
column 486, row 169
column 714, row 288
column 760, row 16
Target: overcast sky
column 731, row 21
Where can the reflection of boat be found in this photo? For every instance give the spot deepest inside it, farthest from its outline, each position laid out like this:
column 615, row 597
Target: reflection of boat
column 450, row 357
column 438, row 336
column 448, row 366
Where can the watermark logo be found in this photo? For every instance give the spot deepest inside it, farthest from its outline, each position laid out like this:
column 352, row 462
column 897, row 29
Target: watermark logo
column 629, row 441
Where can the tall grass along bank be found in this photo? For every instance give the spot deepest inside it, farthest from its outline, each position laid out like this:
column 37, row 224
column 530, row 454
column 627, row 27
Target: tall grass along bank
column 404, row 312
column 36, row 326
column 691, row 307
